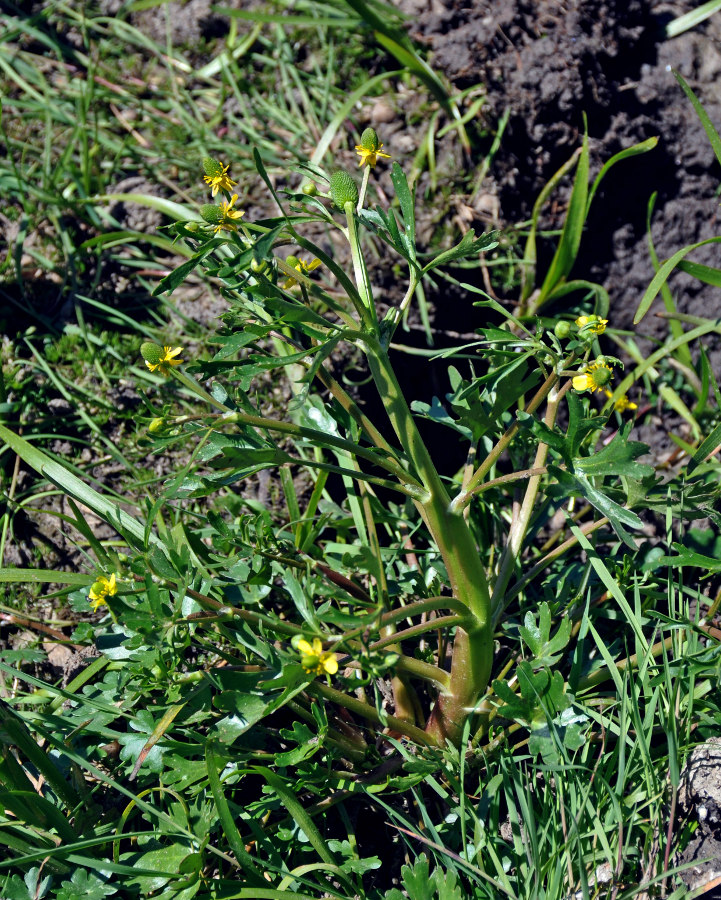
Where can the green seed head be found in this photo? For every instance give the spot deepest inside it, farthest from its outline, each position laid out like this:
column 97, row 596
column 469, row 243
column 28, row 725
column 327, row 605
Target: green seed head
column 343, row 189
column 212, row 167
column 211, row 213
column 369, row 140
column 601, row 376
column 151, row 352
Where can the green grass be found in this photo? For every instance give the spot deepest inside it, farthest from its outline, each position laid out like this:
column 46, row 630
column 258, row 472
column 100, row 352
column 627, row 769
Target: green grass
column 191, row 757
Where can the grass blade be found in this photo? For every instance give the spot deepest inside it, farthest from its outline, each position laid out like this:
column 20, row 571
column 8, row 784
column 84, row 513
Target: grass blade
column 109, row 512
column 662, row 275
column 711, row 132
column 567, row 249
column 226, row 818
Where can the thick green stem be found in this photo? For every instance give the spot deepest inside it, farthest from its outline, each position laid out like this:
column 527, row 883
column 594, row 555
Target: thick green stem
column 473, row 648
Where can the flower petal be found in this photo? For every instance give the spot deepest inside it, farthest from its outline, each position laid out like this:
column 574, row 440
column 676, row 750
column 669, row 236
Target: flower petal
column 330, row 663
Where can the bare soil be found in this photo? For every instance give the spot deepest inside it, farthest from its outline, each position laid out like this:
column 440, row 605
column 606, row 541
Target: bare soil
column 552, row 63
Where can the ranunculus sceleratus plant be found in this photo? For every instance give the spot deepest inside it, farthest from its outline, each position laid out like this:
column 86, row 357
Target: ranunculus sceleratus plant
column 294, row 304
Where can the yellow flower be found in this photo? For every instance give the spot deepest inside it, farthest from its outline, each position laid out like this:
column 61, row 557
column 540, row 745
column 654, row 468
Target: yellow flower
column 101, row 589
column 164, row 361
column 595, row 378
column 217, row 176
column 227, row 215
column 591, row 324
column 301, row 266
column 370, row 148
column 370, row 156
column 314, row 659
column 622, row 404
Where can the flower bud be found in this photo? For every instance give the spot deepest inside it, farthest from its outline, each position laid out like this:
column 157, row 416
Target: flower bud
column 310, row 189
column 343, row 189
column 562, row 329
column 258, row 265
column 211, row 213
column 292, row 261
column 369, row 140
column 156, row 425
column 601, row 376
column 151, row 352
column 212, row 167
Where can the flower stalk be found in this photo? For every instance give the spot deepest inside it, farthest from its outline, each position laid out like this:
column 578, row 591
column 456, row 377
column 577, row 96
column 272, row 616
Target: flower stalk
column 473, row 645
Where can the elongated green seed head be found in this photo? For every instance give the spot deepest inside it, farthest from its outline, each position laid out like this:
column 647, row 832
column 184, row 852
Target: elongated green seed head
column 211, row 213
column 369, row 140
column 343, row 189
column 151, row 352
column 212, row 167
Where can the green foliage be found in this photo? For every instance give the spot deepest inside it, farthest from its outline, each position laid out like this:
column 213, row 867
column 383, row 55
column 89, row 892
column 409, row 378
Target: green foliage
column 420, row 886
column 546, row 708
column 536, row 636
column 325, row 641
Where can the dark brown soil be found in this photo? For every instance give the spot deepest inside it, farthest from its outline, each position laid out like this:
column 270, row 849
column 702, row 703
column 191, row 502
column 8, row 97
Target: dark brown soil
column 552, row 62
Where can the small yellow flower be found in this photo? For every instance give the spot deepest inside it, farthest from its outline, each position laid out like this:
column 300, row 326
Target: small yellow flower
column 314, row 659
column 595, row 378
column 166, row 360
column 301, row 266
column 591, row 325
column 370, row 148
column 622, row 404
column 228, row 215
column 217, row 176
column 370, row 156
column 101, row 590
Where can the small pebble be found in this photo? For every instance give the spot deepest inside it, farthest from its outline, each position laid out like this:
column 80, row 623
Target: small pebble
column 382, row 112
